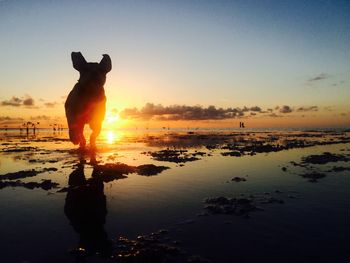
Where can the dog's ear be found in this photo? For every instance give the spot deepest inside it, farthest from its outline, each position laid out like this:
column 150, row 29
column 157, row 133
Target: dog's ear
column 78, row 60
column 106, row 63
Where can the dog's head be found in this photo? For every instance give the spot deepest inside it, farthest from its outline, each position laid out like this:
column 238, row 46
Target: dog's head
column 92, row 74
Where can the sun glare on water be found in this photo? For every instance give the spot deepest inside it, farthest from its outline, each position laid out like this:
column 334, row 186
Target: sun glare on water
column 110, row 137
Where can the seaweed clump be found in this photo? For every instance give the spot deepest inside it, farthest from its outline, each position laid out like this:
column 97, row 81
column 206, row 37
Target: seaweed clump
column 154, row 247
column 44, row 184
column 174, row 156
column 234, row 206
column 324, row 158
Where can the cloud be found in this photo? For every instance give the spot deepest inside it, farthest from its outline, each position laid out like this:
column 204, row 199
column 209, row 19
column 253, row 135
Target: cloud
column 285, row 109
column 318, row 77
column 17, row 102
column 132, row 113
column 28, row 101
column 153, row 111
column 6, row 120
column 274, row 115
column 40, row 118
column 184, row 112
column 50, row 104
column 339, row 83
column 310, row 108
column 48, row 119
column 268, row 110
column 255, row 108
column 14, row 101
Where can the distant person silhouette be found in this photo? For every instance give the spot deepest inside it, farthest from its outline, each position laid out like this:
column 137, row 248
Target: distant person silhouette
column 86, row 209
column 86, row 103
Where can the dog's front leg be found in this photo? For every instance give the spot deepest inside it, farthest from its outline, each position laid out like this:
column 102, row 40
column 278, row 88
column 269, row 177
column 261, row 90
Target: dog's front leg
column 96, row 129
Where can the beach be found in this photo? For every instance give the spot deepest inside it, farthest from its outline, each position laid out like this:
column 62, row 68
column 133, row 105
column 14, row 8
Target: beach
column 176, row 196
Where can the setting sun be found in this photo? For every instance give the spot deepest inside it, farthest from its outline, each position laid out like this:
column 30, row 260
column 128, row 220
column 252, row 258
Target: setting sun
column 112, row 118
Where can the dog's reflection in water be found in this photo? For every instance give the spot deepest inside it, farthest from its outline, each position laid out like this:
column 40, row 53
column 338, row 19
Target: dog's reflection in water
column 85, row 207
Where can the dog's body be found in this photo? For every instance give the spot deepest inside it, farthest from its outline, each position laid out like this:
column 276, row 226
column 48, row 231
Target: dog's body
column 86, row 103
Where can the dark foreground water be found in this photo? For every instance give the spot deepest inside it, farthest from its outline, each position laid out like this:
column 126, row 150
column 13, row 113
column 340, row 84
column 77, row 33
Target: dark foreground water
column 176, row 197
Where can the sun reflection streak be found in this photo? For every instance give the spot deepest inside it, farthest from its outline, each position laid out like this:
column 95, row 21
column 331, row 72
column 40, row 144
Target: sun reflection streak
column 111, row 137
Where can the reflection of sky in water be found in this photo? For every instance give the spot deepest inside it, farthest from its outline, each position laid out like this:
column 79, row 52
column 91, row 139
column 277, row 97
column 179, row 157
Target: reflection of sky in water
column 141, row 204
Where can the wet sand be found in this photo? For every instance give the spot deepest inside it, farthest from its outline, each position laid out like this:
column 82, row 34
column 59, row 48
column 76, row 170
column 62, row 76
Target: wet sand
column 199, row 196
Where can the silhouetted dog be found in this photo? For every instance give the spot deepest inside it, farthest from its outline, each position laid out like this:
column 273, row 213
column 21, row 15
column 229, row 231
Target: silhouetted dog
column 86, row 103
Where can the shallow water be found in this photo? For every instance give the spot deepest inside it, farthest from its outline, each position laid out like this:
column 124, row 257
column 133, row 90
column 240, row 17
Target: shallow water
column 45, row 225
